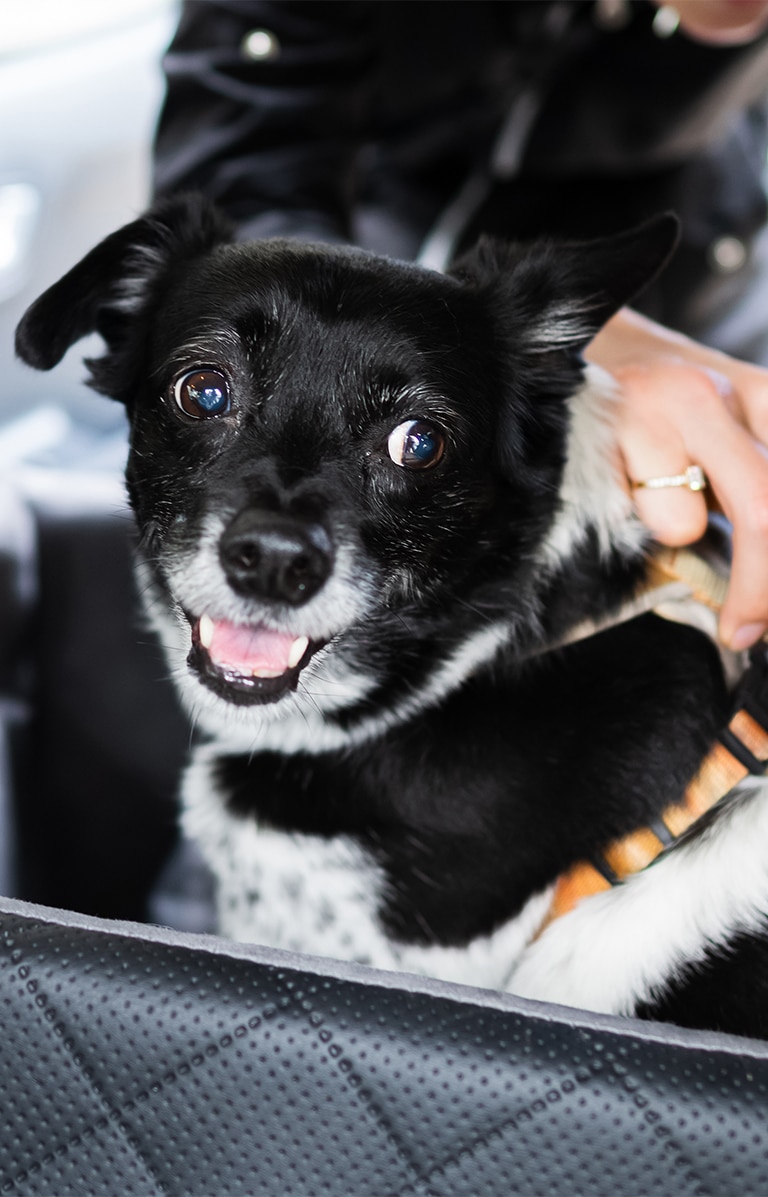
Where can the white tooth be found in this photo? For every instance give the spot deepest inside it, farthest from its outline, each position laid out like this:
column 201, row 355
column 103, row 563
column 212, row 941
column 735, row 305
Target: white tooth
column 266, row 673
column 205, row 631
column 298, row 649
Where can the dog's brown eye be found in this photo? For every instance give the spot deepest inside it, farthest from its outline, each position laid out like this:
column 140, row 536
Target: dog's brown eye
column 416, row 444
column 202, row 394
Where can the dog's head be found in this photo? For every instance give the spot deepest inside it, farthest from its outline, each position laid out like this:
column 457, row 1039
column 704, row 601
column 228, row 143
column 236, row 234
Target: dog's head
column 332, row 451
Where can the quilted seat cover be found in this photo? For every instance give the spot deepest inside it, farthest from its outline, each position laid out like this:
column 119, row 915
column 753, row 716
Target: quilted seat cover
column 140, row 1061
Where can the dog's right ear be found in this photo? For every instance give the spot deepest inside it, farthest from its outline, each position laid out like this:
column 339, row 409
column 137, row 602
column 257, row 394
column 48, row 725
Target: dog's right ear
column 114, row 281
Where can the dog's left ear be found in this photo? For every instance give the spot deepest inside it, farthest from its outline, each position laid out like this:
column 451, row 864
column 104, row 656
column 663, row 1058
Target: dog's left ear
column 562, row 293
column 111, row 285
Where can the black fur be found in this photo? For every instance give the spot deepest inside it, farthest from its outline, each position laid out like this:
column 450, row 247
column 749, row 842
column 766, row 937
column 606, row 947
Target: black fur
column 464, row 867
column 479, row 795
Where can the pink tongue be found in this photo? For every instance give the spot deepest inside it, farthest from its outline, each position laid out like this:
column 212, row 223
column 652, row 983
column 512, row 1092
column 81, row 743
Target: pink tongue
column 249, row 650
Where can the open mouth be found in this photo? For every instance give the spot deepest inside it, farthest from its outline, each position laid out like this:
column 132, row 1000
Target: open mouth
column 247, row 663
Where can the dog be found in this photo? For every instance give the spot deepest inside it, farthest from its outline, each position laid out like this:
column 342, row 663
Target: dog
column 377, row 508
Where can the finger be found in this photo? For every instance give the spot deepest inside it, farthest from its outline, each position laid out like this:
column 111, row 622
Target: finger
column 744, row 618
column 748, row 397
column 738, row 474
column 675, row 515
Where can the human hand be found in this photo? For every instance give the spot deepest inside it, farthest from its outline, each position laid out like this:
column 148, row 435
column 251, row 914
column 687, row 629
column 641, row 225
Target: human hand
column 720, row 22
column 684, row 403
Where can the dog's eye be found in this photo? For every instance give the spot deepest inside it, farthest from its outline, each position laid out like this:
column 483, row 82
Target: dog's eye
column 202, row 394
column 416, row 445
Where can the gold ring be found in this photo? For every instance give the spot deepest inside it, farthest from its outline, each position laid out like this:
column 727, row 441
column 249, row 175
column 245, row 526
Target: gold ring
column 694, row 478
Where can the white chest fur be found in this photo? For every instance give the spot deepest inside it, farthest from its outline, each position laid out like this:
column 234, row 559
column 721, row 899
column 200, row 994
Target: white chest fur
column 307, row 894
column 320, row 897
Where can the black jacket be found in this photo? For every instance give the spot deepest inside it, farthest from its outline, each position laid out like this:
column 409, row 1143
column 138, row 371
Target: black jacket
column 364, row 120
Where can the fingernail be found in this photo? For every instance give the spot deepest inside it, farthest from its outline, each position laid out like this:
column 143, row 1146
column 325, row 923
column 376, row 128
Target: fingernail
column 747, row 635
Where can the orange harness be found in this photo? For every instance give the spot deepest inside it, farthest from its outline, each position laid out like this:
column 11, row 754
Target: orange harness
column 741, row 749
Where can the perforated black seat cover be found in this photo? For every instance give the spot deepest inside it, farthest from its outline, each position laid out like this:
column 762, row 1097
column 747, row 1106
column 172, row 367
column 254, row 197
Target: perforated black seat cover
column 134, row 1061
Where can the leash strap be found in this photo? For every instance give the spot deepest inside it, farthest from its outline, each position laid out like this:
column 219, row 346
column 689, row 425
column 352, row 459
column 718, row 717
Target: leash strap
column 707, row 584
column 740, row 750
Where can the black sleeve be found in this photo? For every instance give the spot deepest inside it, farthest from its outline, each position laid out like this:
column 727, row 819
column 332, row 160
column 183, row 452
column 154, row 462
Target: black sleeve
column 272, row 139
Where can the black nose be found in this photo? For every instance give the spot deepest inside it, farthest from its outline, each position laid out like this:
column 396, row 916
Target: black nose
column 269, row 555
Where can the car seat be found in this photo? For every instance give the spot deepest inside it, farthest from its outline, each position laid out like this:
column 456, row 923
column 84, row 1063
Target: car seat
column 138, row 1059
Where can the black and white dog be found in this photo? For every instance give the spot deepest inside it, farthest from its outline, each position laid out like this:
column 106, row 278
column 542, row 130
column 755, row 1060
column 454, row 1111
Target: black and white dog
column 374, row 502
